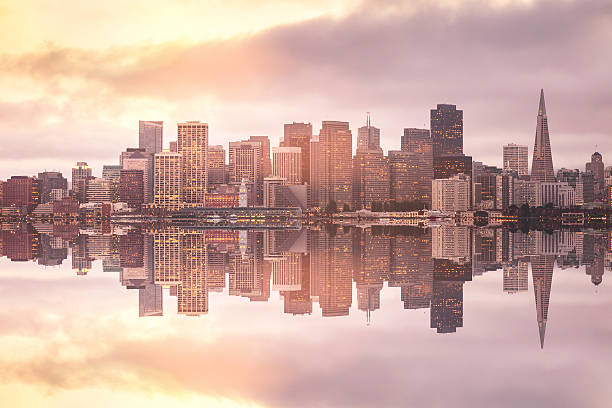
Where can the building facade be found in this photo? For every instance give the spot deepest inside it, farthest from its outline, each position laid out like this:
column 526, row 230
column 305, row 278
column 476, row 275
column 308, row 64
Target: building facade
column 216, row 167
column 451, row 194
column 80, row 173
column 192, row 144
column 299, row 135
column 150, row 135
column 167, row 189
column 48, row 181
column 447, row 130
column 516, row 158
column 287, row 163
column 332, row 165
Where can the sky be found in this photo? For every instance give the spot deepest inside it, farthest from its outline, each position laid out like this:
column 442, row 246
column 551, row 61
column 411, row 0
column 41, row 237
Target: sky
column 75, row 79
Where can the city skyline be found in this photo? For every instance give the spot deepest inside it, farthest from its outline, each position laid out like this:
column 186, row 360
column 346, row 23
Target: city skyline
column 430, row 172
column 428, row 266
column 305, row 203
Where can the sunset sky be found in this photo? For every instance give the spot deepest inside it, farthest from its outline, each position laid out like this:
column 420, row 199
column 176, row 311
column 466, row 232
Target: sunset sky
column 75, row 77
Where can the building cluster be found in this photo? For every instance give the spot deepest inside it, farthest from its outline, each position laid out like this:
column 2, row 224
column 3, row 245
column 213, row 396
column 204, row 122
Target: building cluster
column 319, row 172
column 428, row 266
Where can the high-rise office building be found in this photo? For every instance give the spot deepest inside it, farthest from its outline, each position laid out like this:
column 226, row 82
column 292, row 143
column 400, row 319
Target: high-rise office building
column 596, row 167
column 368, row 137
column 216, row 167
column 139, row 159
column 20, row 191
column 516, row 158
column 131, row 188
column 192, row 144
column 542, row 164
column 287, row 163
column 167, row 190
column 112, row 173
column 370, row 169
column 447, row 131
column 403, row 176
column 245, row 164
column 150, row 135
column 332, row 165
column 418, row 142
column 370, row 179
column 80, row 173
column 299, row 135
column 448, row 166
column 266, row 164
column 50, row 180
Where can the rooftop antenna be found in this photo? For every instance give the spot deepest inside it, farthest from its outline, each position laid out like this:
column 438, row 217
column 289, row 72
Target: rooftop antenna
column 368, row 120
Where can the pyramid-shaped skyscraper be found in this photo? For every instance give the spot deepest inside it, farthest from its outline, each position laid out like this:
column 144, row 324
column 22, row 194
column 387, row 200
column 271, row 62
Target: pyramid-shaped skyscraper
column 542, row 165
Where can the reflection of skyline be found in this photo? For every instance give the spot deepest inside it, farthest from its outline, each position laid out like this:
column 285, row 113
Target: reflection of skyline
column 429, row 266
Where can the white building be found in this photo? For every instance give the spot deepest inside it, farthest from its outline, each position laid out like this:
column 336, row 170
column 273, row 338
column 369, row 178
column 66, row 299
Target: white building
column 451, row 194
column 287, row 163
column 560, row 194
column 516, row 158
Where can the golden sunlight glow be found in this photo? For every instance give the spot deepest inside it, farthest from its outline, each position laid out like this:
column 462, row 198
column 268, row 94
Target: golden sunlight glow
column 28, row 24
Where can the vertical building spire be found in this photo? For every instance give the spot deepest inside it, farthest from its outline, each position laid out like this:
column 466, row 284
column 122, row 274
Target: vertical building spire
column 542, row 108
column 542, row 165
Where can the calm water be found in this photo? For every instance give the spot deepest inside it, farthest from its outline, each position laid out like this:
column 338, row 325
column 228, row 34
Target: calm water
column 329, row 317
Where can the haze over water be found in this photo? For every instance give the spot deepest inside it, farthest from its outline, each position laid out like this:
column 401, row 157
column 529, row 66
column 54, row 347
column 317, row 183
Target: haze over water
column 320, row 317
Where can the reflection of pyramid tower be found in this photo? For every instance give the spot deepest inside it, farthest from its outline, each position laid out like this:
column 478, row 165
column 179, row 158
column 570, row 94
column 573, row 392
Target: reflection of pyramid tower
column 542, row 272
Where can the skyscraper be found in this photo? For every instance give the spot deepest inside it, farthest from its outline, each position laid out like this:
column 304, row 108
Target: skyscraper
column 112, row 173
column 418, row 142
column 245, row 163
column 368, row 137
column 370, row 179
column 50, row 180
column 287, row 163
column 266, row 164
column 150, row 135
column 138, row 159
column 542, row 165
column 299, row 135
column 333, row 165
column 192, row 144
column 20, row 191
column 370, row 169
column 80, row 173
column 403, row 176
column 447, row 131
column 216, row 167
column 131, row 188
column 167, row 180
column 596, row 167
column 516, row 158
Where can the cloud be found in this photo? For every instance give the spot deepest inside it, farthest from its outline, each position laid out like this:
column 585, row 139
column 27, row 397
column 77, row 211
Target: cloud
column 396, row 59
